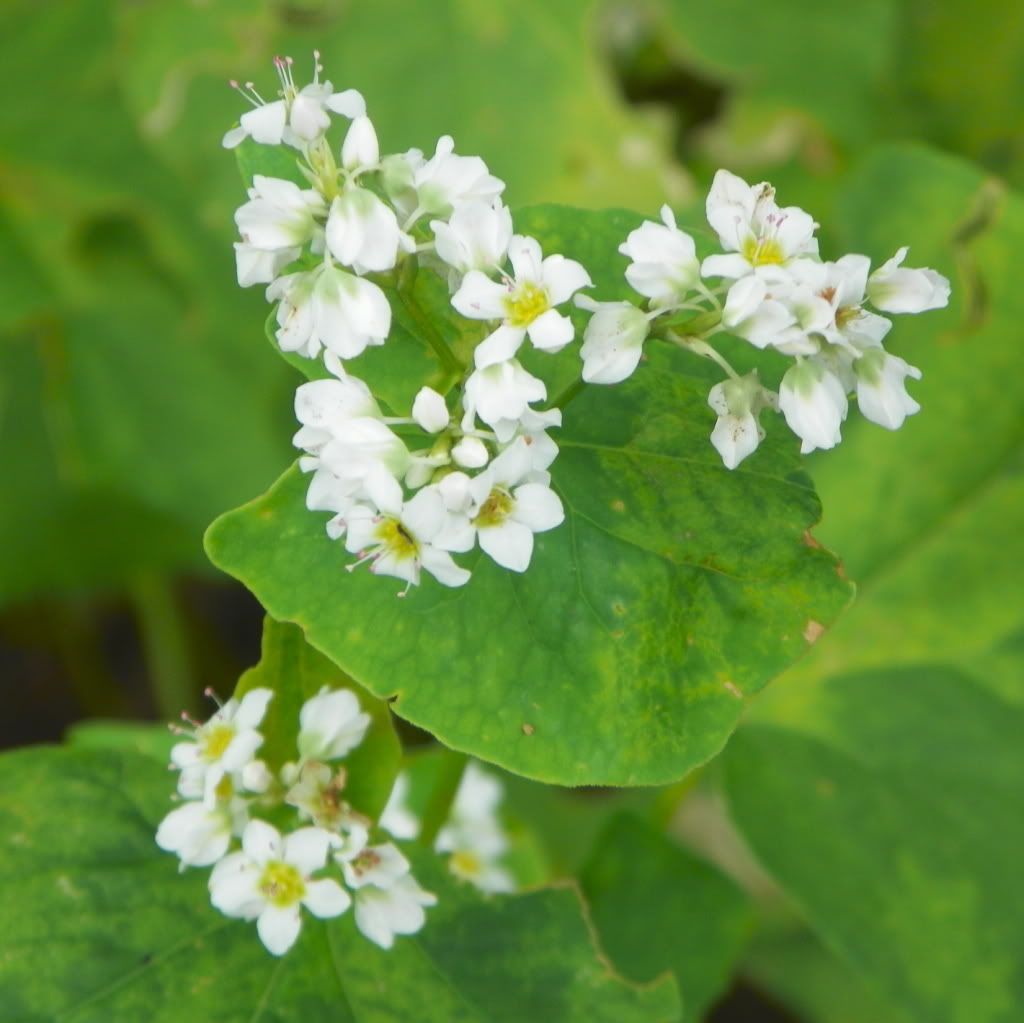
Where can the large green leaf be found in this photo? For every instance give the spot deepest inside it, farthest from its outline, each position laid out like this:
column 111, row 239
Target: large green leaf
column 890, row 809
column 100, row 926
column 623, row 655
column 658, row 907
column 294, row 672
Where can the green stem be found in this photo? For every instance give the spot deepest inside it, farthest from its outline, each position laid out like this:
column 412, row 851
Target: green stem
column 575, row 388
column 430, row 333
column 163, row 634
column 439, row 805
column 702, row 348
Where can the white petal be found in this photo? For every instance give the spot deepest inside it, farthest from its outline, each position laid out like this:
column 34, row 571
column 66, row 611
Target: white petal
column 306, row 849
column 537, row 507
column 261, row 842
column 252, row 707
column 360, row 148
column 349, row 103
column 500, row 345
column 441, row 565
column 429, row 410
column 480, row 298
column 526, row 258
column 509, row 544
column 266, row 123
column 551, row 331
column 731, row 265
column 563, row 278
column 278, row 927
column 326, row 898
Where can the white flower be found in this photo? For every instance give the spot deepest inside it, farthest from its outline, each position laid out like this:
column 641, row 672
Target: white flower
column 377, row 865
column 507, row 511
column 279, row 214
column 397, row 818
column 612, row 341
column 316, row 792
column 738, row 404
column 331, row 724
column 430, row 411
column 381, row 913
column 476, row 237
column 360, row 151
column 814, row 402
column 298, row 117
column 447, row 179
column 753, row 230
column 473, row 834
column 326, row 407
column 261, row 266
column 222, row 746
column 270, row 879
column 329, row 308
column 894, row 288
column 525, row 304
column 753, row 312
column 663, row 261
column 882, row 390
column 399, row 538
column 362, row 231
column 201, row 835
column 500, row 394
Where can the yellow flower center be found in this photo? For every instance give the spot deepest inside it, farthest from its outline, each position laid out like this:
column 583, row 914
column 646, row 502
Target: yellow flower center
column 495, row 509
column 394, row 537
column 465, row 864
column 526, row 304
column 763, row 251
column 281, row 884
column 217, row 740
column 845, row 314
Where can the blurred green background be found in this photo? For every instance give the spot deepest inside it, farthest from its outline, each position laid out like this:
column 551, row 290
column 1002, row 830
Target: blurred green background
column 138, row 398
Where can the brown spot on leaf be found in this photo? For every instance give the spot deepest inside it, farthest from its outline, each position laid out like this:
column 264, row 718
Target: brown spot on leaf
column 732, row 689
column 813, row 630
column 810, row 540
column 527, row 728
column 618, row 505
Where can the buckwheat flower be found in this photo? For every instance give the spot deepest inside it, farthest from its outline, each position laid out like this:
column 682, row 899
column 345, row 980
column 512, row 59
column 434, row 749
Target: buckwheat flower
column 814, row 402
column 261, row 266
column 201, row 835
column 362, row 231
column 430, row 411
column 738, row 403
column 271, row 879
column 473, row 835
column 613, row 341
column 377, row 865
column 476, row 237
column 753, row 230
column 326, row 407
column 500, row 394
column 298, row 117
column 399, row 538
column 331, row 724
column 882, row 390
column 279, row 215
column 663, row 261
column 317, row 791
column 329, row 308
column 383, row 913
column 447, row 179
column 360, row 151
column 223, row 745
column 894, row 288
column 754, row 310
column 525, row 303
column 508, row 511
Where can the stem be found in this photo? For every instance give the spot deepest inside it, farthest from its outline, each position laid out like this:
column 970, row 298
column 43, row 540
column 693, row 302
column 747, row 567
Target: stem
column 569, row 393
column 439, row 805
column 163, row 634
column 699, row 347
column 429, row 331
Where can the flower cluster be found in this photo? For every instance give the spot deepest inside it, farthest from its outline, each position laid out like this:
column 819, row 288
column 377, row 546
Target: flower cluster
column 327, row 253
column 470, row 467
column 325, row 864
column 473, row 837
column 775, row 292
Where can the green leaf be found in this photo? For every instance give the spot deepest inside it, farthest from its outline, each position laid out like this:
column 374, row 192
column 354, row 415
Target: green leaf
column 890, row 811
column 674, row 589
column 658, row 907
column 294, row 671
column 127, row 938
column 123, row 736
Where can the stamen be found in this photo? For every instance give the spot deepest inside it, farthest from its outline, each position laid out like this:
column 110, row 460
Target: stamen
column 211, row 695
